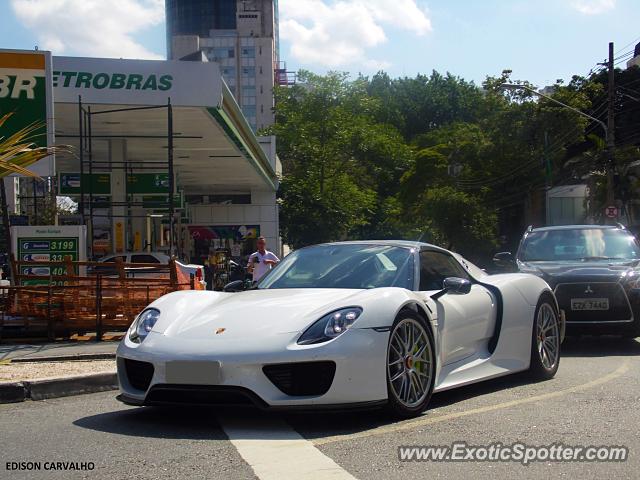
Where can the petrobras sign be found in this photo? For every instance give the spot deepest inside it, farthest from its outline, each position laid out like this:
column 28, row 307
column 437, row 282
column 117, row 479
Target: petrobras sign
column 136, row 82
column 25, row 93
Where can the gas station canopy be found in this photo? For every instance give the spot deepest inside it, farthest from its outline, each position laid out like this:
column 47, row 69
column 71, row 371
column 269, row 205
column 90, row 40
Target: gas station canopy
column 214, row 148
column 163, row 159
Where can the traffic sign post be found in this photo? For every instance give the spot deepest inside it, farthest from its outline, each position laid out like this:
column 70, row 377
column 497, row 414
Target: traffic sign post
column 611, row 211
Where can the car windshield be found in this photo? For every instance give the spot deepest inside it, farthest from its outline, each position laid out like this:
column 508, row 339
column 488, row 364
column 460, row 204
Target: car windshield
column 579, row 244
column 344, row 266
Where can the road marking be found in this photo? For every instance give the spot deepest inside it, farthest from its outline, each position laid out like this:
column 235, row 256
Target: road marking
column 430, row 420
column 277, row 452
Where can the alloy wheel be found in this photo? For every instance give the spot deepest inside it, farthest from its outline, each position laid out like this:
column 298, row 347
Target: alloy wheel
column 410, row 362
column 547, row 336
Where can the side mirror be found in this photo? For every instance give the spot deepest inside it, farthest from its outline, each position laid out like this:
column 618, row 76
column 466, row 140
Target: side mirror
column 504, row 260
column 235, row 286
column 455, row 285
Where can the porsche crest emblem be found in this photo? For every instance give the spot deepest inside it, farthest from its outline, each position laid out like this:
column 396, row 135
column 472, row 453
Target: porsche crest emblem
column 220, row 330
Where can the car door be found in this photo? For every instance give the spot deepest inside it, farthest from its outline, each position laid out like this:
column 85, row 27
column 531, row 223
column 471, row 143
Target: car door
column 144, row 272
column 466, row 322
column 107, row 266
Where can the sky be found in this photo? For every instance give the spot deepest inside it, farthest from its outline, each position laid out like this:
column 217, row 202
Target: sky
column 539, row 40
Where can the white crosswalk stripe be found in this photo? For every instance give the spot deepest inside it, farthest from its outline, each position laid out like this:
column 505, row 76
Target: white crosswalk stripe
column 277, row 452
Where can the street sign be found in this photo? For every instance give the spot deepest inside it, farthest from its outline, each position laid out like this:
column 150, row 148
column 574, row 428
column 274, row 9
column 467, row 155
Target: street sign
column 47, row 243
column 69, row 183
column 26, row 90
column 611, row 212
column 161, row 203
column 148, row 183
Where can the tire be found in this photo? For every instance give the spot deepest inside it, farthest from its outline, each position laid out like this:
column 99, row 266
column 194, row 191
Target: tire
column 545, row 339
column 411, row 363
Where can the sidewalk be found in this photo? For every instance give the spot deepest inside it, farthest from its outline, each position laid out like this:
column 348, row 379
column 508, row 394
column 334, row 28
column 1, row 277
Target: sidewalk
column 17, row 352
column 38, row 371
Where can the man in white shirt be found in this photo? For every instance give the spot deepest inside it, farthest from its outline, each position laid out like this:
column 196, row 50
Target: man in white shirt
column 262, row 261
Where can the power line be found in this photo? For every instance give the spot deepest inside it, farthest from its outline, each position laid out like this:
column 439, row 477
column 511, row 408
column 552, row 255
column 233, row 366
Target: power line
column 632, row 42
column 624, row 55
column 519, row 172
column 632, row 83
column 557, row 145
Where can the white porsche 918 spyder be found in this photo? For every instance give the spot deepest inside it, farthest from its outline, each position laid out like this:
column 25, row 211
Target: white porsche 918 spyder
column 349, row 324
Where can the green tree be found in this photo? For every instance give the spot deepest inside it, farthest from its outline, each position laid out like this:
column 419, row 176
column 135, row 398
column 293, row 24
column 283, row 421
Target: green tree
column 340, row 164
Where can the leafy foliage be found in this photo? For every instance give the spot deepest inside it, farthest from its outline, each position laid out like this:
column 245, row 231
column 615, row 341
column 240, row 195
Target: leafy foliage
column 432, row 157
column 340, row 163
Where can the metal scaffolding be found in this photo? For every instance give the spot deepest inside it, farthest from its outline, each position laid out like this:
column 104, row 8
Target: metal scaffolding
column 87, row 162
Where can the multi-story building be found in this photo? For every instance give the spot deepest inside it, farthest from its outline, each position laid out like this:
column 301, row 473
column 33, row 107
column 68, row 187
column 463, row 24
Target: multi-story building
column 635, row 60
column 241, row 36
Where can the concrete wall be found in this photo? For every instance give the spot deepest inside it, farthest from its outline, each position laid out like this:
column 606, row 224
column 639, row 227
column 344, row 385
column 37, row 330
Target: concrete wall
column 183, row 45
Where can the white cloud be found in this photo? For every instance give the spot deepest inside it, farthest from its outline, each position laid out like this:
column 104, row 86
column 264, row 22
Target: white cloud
column 335, row 33
column 593, row 7
column 94, row 28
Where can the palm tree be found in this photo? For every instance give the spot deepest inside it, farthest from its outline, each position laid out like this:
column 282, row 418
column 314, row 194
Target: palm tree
column 17, row 152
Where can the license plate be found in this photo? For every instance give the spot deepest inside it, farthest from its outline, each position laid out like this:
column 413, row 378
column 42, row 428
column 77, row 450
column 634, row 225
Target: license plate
column 193, row 372
column 589, row 304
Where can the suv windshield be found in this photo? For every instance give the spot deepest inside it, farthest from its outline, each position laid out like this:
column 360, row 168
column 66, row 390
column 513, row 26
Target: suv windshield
column 344, row 266
column 582, row 244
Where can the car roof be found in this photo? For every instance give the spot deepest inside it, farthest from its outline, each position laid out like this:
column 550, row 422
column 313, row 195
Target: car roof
column 577, row 227
column 391, row 243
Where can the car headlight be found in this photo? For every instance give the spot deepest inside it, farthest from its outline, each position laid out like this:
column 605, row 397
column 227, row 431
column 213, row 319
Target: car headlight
column 330, row 326
column 143, row 324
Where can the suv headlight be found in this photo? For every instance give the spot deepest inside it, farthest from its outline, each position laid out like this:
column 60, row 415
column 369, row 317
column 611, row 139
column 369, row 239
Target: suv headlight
column 330, row 326
column 143, row 325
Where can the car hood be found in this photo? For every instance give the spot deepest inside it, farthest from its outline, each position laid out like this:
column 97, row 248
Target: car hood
column 562, row 272
column 255, row 313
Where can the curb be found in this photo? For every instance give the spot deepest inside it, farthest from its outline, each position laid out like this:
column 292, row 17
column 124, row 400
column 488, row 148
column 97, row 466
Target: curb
column 57, row 387
column 12, row 392
column 65, row 358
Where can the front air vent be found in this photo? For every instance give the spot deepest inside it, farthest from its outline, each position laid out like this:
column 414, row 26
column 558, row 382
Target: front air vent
column 205, row 395
column 301, row 379
column 139, row 373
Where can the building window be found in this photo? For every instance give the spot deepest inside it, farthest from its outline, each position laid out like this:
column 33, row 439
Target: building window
column 248, row 52
column 197, row 17
column 248, row 71
column 249, row 110
column 228, row 73
column 222, row 53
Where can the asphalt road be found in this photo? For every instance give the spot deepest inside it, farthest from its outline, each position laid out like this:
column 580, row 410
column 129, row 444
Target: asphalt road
column 594, row 400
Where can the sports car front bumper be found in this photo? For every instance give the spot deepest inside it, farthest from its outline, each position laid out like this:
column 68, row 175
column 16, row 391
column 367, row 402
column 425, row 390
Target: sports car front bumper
column 237, row 373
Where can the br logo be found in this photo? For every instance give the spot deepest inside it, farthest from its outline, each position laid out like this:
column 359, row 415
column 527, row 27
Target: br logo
column 13, row 85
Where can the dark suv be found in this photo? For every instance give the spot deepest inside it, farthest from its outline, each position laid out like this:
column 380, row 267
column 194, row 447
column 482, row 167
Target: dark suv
column 594, row 271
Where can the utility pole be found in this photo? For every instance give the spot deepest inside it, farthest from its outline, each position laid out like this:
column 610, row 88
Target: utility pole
column 611, row 138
